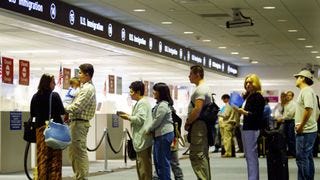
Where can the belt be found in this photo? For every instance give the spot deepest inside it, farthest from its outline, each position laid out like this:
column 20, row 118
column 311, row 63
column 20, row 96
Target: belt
column 80, row 120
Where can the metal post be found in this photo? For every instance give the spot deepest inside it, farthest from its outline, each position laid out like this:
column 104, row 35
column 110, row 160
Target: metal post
column 106, row 151
column 125, row 142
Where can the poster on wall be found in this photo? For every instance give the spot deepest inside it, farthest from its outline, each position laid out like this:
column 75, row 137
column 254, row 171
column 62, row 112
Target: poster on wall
column 119, row 85
column 76, row 72
column 171, row 90
column 24, row 72
column 7, row 70
column 272, row 95
column 111, row 84
column 146, row 88
column 104, row 90
column 175, row 93
column 151, row 89
column 15, row 120
column 66, row 78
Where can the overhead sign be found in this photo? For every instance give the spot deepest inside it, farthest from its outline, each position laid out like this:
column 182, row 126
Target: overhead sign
column 24, row 72
column 7, row 70
column 66, row 15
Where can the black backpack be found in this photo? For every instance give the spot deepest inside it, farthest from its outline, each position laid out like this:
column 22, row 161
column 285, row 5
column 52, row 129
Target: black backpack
column 209, row 114
column 177, row 122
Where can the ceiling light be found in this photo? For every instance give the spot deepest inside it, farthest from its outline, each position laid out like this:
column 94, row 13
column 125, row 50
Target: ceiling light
column 301, row 39
column 222, row 47
column 234, row 52
column 308, row 46
column 269, row 7
column 188, row 32
column 282, row 20
column 314, row 52
column 139, row 10
column 292, row 30
column 245, row 58
column 166, row 22
column 206, row 40
column 254, row 62
column 318, row 57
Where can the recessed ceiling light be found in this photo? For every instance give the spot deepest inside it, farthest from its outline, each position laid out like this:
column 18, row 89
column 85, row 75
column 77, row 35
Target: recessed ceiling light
column 292, row 30
column 245, row 58
column 308, row 46
column 188, row 32
column 206, row 40
column 254, row 62
column 234, row 52
column 282, row 20
column 222, row 47
column 269, row 7
column 314, row 52
column 318, row 57
column 166, row 22
column 301, row 39
column 139, row 10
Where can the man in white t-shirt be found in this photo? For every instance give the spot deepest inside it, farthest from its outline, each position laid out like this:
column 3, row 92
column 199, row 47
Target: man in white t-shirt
column 305, row 124
column 199, row 148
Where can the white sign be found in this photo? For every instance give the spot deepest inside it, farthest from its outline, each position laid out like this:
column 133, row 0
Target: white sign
column 30, row 5
column 91, row 24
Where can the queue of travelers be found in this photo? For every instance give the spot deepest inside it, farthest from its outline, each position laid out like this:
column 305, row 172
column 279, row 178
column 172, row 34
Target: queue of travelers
column 153, row 132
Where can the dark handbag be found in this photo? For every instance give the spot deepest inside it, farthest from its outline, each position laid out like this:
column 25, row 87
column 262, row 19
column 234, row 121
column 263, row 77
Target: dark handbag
column 131, row 152
column 29, row 134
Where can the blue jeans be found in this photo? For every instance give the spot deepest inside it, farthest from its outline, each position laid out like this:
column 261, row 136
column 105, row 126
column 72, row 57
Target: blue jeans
column 304, row 159
column 249, row 140
column 162, row 155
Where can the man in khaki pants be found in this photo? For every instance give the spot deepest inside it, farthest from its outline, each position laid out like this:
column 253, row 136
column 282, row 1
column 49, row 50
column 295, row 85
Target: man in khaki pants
column 227, row 123
column 199, row 148
column 81, row 110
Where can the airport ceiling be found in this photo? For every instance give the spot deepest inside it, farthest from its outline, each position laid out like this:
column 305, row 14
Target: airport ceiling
column 284, row 31
column 283, row 36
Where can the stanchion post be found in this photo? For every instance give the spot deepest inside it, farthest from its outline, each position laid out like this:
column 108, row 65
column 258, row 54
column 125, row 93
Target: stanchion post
column 106, row 151
column 125, row 146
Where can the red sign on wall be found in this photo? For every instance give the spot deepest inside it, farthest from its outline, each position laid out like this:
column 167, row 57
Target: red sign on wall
column 111, row 84
column 146, row 88
column 66, row 78
column 24, row 72
column 7, row 70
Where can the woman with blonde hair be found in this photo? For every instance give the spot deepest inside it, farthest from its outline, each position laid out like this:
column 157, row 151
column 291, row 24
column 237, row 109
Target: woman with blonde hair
column 252, row 114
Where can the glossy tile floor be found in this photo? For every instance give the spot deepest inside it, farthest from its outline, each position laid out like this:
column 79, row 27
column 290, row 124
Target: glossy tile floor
column 221, row 168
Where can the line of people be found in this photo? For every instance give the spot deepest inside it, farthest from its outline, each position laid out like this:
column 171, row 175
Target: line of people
column 154, row 126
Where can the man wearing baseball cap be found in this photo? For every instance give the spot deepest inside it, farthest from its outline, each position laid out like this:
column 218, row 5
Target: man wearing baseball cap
column 305, row 124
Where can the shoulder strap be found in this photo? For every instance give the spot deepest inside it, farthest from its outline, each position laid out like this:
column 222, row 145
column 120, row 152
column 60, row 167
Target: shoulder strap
column 192, row 103
column 50, row 102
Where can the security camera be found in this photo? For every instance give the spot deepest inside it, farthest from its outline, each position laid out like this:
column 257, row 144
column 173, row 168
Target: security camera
column 239, row 20
column 239, row 23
